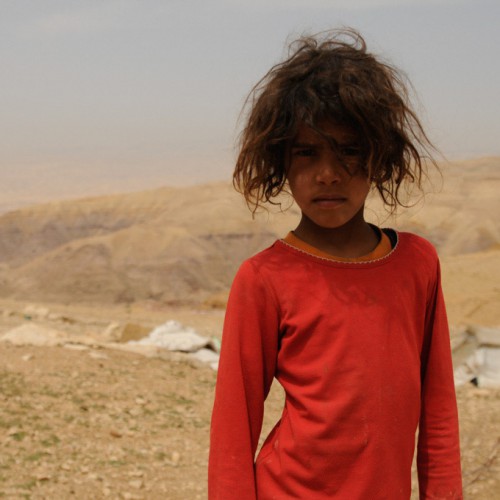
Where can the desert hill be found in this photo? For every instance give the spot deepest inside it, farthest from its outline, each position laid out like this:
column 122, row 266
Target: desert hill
column 170, row 244
column 461, row 214
column 184, row 244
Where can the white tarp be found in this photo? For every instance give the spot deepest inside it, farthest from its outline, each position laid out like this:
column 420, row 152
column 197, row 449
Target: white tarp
column 173, row 336
column 482, row 364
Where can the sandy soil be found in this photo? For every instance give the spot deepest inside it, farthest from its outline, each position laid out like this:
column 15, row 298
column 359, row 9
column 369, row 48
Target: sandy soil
column 99, row 423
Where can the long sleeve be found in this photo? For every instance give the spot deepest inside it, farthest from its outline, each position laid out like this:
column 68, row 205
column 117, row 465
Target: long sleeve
column 438, row 456
column 246, row 370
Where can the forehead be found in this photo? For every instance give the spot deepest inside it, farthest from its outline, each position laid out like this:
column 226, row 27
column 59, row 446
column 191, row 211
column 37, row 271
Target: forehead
column 340, row 133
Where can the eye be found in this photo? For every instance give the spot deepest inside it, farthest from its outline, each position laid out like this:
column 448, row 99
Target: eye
column 306, row 152
column 350, row 151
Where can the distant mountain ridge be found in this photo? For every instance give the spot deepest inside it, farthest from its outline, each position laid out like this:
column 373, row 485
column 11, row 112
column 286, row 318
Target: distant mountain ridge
column 185, row 244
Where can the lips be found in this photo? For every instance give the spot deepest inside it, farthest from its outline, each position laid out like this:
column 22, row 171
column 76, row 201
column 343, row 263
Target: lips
column 329, row 200
column 330, row 197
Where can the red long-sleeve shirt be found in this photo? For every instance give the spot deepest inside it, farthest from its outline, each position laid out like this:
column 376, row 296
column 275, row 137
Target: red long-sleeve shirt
column 362, row 351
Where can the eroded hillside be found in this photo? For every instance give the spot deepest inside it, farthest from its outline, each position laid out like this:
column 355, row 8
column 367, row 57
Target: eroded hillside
column 185, row 244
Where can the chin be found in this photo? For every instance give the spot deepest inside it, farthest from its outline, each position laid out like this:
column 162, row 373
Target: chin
column 330, row 225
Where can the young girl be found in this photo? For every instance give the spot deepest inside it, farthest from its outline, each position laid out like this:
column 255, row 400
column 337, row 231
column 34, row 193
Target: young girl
column 348, row 317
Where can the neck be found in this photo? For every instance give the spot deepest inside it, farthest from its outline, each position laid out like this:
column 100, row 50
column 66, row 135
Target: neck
column 354, row 239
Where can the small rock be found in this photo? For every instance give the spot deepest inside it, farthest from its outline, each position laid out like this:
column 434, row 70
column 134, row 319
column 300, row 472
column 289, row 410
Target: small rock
column 27, row 357
column 130, row 496
column 135, row 412
column 35, row 335
column 36, row 311
column 111, row 333
column 76, row 347
column 175, row 458
column 98, row 355
column 136, row 473
column 136, row 483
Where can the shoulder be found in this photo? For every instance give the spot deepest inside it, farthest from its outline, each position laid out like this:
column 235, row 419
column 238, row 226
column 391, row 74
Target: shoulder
column 420, row 251
column 411, row 242
column 269, row 260
column 254, row 281
column 263, row 270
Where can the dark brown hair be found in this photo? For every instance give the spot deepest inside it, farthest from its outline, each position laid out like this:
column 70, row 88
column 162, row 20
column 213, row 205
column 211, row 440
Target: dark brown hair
column 331, row 76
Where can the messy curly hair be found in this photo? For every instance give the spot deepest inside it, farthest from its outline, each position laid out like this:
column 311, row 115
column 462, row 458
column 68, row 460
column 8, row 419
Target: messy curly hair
column 331, row 76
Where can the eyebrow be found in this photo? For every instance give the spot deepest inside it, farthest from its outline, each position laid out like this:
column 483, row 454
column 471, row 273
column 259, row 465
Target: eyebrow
column 311, row 144
column 305, row 144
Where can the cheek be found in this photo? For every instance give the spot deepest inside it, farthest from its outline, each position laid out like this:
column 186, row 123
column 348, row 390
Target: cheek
column 292, row 178
column 300, row 176
column 298, row 184
column 362, row 187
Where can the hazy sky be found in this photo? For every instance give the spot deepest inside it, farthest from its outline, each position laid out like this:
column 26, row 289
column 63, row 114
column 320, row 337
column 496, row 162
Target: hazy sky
column 136, row 93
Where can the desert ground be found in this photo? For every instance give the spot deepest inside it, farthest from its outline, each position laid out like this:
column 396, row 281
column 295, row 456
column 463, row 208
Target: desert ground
column 83, row 421
column 82, row 418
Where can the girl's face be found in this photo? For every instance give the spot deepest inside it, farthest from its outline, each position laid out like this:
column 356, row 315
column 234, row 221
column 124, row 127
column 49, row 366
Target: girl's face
column 325, row 175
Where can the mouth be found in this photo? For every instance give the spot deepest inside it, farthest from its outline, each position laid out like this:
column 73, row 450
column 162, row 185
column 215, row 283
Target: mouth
column 329, row 201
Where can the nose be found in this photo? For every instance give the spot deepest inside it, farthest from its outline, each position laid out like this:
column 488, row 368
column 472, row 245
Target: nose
column 329, row 169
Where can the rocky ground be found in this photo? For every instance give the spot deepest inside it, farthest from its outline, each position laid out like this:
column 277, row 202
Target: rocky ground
column 86, row 422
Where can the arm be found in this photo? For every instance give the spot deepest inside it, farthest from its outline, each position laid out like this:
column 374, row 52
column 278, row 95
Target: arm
column 246, row 370
column 438, row 457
